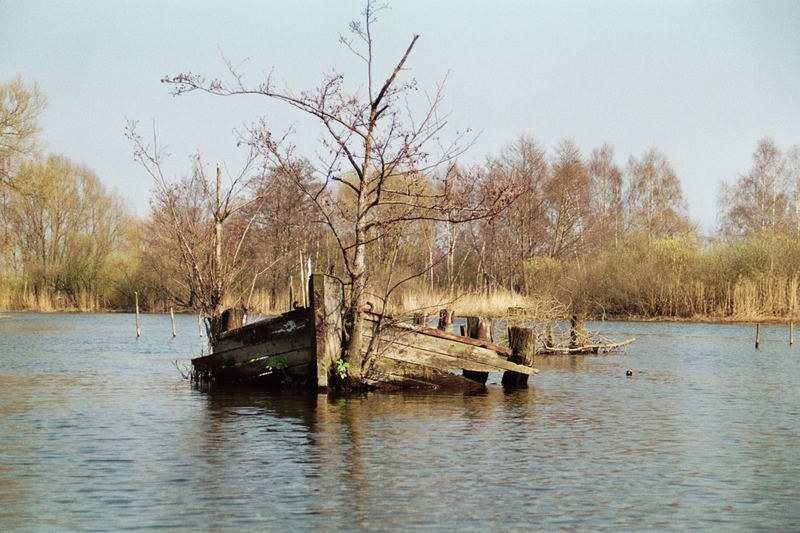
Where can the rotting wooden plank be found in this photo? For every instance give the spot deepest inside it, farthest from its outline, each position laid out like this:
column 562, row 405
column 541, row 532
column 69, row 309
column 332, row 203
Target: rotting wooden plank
column 402, row 344
column 298, row 365
column 250, row 352
column 408, row 375
column 462, row 353
column 267, row 348
column 285, row 325
column 432, row 332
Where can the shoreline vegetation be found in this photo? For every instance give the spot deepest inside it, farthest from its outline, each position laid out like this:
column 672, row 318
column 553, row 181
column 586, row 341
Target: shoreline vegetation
column 548, row 234
column 746, row 280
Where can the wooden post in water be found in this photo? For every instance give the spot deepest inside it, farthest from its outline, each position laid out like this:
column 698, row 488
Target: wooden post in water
column 548, row 335
column 420, row 319
column 136, row 297
column 522, row 342
column 327, row 301
column 446, row 317
column 576, row 335
column 200, row 324
column 172, row 319
column 481, row 329
column 791, row 333
column 758, row 335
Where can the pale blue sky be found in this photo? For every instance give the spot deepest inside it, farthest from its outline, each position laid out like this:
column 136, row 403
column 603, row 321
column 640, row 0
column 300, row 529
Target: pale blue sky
column 702, row 81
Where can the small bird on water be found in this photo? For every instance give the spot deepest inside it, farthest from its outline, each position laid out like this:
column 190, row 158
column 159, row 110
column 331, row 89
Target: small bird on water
column 629, row 372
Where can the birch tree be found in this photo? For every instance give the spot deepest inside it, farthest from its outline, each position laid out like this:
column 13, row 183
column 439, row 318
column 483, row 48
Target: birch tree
column 654, row 198
column 758, row 201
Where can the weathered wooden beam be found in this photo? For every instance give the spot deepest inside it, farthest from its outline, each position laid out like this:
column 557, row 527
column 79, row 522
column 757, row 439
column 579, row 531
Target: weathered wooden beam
column 502, row 350
column 327, row 303
column 244, row 353
column 390, row 374
column 405, row 344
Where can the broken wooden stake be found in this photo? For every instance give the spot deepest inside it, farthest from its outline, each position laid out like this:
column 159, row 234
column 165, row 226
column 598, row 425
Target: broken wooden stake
column 522, row 342
column 481, row 329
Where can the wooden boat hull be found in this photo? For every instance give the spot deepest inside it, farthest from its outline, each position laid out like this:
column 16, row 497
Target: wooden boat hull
column 282, row 346
column 303, row 346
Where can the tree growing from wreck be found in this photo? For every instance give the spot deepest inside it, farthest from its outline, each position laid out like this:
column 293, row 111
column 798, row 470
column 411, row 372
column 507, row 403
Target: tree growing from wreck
column 386, row 155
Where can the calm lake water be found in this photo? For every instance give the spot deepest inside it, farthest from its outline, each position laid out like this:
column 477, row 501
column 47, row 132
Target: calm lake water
column 98, row 431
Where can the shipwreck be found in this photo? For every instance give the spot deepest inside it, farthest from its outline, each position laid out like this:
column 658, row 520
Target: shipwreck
column 304, row 347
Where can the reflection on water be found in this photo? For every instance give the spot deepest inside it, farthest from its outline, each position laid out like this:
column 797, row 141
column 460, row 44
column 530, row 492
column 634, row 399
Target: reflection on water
column 98, row 431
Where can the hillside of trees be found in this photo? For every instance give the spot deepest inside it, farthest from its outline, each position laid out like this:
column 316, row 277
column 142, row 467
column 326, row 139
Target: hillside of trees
column 578, row 231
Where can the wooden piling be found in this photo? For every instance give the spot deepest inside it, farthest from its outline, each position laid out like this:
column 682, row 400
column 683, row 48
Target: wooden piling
column 481, row 329
column 200, row 324
column 420, row 319
column 172, row 319
column 522, row 342
column 758, row 335
column 446, row 317
column 577, row 338
column 548, row 335
column 138, row 331
column 791, row 333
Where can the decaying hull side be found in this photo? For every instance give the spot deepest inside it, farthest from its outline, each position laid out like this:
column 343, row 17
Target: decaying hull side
column 284, row 344
column 304, row 345
column 409, row 356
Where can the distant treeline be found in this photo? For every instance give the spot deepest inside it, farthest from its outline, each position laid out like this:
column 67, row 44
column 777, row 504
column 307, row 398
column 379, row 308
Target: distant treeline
column 601, row 239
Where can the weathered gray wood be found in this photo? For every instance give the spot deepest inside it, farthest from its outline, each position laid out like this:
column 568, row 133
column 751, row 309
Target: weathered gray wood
column 588, row 348
column 419, row 347
column 758, row 335
column 481, row 329
column 327, row 303
column 240, row 354
column 577, row 334
column 523, row 343
column 460, row 339
column 391, row 374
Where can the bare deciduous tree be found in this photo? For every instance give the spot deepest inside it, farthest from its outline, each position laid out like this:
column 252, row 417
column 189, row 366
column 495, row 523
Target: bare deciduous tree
column 208, row 265
column 605, row 212
column 377, row 148
column 758, row 201
column 654, row 197
column 567, row 199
